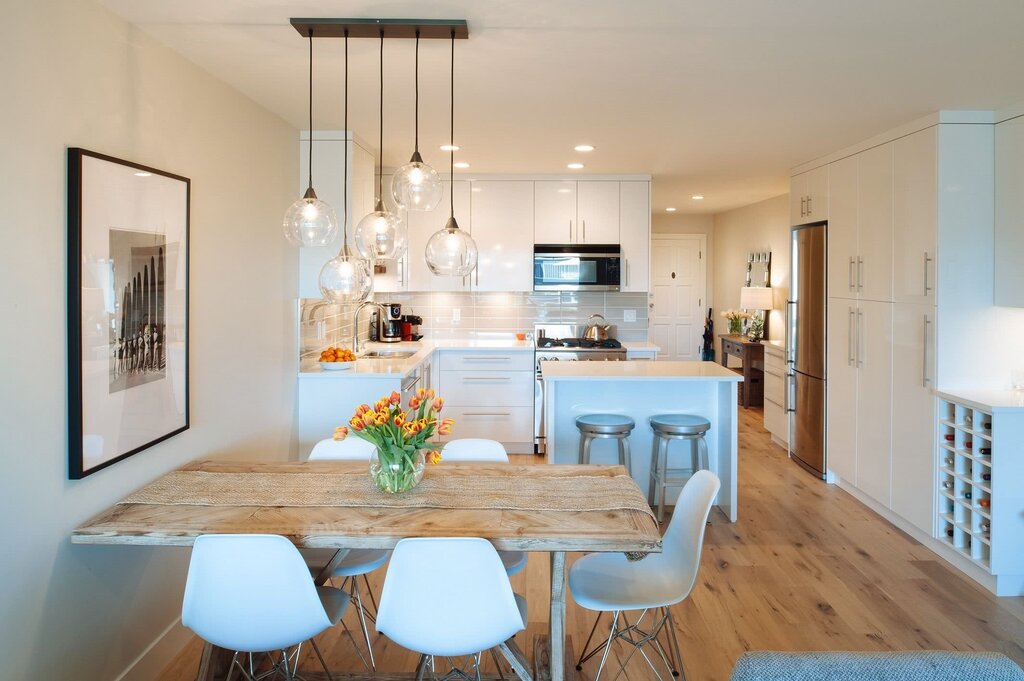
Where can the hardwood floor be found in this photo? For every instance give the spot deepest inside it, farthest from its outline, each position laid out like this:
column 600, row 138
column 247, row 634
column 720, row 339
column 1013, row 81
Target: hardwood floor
column 807, row 567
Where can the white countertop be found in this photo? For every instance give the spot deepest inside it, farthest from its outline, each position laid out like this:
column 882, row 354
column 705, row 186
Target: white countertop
column 397, row 367
column 638, row 345
column 638, row 371
column 986, row 400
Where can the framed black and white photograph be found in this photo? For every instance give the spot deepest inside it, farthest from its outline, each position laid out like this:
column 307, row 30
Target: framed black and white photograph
column 127, row 309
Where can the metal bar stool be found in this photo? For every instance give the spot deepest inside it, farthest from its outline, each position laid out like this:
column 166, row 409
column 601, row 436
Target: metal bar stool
column 669, row 427
column 607, row 426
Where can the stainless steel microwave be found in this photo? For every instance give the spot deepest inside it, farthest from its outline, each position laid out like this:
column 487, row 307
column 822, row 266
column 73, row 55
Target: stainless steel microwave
column 577, row 267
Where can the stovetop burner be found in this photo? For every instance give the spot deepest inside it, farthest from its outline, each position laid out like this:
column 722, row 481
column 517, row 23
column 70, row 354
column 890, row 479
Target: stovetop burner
column 578, row 343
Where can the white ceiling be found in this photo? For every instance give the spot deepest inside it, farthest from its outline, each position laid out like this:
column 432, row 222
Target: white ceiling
column 716, row 97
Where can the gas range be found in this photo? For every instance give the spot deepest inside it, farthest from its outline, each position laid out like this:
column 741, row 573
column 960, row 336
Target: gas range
column 573, row 348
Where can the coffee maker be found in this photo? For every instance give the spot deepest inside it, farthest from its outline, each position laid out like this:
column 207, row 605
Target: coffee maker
column 389, row 328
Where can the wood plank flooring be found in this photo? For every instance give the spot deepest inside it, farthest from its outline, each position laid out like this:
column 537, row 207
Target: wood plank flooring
column 807, row 567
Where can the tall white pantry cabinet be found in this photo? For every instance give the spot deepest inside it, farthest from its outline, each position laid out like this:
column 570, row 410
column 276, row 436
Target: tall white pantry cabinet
column 910, row 253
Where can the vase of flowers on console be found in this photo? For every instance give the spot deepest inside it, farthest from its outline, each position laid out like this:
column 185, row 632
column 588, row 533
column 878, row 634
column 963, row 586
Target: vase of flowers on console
column 735, row 318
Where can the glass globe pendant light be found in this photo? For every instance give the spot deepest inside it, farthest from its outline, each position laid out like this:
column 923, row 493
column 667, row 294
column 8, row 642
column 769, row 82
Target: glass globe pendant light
column 416, row 186
column 309, row 221
column 345, row 278
column 381, row 235
column 450, row 251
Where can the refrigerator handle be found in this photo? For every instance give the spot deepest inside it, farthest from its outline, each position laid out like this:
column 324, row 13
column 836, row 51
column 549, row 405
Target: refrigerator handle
column 791, row 332
column 925, row 379
column 791, row 394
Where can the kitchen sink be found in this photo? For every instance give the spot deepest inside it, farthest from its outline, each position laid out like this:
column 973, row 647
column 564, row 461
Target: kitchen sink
column 395, row 354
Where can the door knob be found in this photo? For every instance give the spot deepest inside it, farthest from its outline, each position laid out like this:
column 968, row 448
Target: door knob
column 673, row 275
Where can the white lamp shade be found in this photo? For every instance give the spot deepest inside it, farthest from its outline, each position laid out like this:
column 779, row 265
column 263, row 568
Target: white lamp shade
column 756, row 298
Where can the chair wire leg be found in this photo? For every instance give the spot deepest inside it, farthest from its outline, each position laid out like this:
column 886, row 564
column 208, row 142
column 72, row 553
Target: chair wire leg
column 583, row 651
column 355, row 645
column 319, row 656
column 373, row 601
column 607, row 645
column 234, row 664
column 362, row 623
column 678, row 656
column 421, row 668
column 497, row 664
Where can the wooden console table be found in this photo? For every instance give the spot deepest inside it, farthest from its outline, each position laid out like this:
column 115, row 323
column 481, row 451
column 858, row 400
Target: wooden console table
column 752, row 356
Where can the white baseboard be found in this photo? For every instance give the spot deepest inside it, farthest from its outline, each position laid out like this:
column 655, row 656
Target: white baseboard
column 159, row 654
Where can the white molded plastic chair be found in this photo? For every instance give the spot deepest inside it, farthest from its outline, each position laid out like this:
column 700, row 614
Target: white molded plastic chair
column 270, row 603
column 479, row 450
column 609, row 582
column 450, row 597
column 357, row 562
column 351, row 448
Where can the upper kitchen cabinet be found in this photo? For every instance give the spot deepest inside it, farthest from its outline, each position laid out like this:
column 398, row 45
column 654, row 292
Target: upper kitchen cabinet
column 422, row 224
column 808, row 196
column 328, row 159
column 842, row 228
column 1009, row 228
column 576, row 212
column 915, row 216
column 635, row 235
column 503, row 216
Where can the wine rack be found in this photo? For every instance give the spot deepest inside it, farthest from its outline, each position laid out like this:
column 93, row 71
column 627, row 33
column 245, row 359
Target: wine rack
column 979, row 472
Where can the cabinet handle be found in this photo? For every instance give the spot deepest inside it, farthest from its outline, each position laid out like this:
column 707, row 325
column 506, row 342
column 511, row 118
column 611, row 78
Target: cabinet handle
column 570, row 231
column 925, row 379
column 849, row 274
column 488, row 358
column 486, row 413
column 803, row 206
column 625, row 271
column 809, row 210
column 927, row 259
column 486, row 378
column 406, row 387
column 860, row 273
column 584, row 231
column 860, row 338
column 849, row 340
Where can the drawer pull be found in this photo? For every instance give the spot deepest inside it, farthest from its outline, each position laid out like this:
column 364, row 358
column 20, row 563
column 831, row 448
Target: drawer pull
column 486, row 378
column 486, row 413
column 485, row 359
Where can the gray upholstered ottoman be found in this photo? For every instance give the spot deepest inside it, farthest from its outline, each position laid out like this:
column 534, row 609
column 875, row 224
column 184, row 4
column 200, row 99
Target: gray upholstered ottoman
column 901, row 666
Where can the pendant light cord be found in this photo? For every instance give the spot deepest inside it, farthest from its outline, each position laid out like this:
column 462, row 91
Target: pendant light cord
column 348, row 144
column 416, row 116
column 451, row 137
column 310, row 174
column 380, row 167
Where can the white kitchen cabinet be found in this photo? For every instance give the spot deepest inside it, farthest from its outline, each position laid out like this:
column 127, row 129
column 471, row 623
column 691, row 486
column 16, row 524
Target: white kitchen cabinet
column 597, row 212
column 389, row 276
column 913, row 413
column 874, row 223
column 874, row 399
column 328, row 156
column 554, row 210
column 776, row 419
column 809, row 196
column 635, row 235
column 841, row 390
column 1009, row 227
column 842, row 228
column 502, row 228
column 423, row 224
column 915, row 216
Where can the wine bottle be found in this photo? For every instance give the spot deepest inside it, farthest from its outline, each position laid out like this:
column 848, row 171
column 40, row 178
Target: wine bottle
column 985, row 451
column 986, row 476
column 950, row 437
column 967, row 495
column 984, row 503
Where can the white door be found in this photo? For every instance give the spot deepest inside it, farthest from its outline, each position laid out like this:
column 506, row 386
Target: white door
column 842, row 229
column 597, row 210
column 841, row 390
column 554, row 212
column 915, row 216
column 874, row 222
column 502, row 221
column 913, row 414
column 422, row 224
column 678, row 297
column 874, row 400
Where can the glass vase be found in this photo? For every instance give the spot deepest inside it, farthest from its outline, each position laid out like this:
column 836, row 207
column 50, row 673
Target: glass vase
column 395, row 470
column 735, row 326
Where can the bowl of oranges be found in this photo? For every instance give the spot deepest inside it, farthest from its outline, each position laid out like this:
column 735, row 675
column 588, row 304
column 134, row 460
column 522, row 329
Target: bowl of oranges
column 337, row 359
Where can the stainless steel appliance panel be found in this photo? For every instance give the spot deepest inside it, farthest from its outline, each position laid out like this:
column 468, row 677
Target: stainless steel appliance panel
column 807, row 436
column 809, row 253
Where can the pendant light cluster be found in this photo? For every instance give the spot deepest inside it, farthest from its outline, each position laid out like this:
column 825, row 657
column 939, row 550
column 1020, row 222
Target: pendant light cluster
column 381, row 235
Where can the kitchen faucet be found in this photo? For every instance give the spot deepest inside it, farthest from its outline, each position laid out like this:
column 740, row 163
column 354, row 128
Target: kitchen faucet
column 355, row 321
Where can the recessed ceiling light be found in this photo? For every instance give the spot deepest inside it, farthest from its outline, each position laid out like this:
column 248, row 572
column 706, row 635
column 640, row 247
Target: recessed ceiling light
column 450, row 147
column 143, row 173
column 574, row 166
column 461, row 164
column 564, row 190
column 670, row 209
column 584, row 147
column 697, row 197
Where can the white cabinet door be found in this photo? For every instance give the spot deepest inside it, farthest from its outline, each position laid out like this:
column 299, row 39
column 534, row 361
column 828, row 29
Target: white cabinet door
column 1009, row 237
column 915, row 216
column 874, row 400
column 554, row 212
column 798, row 199
column 635, row 234
column 597, row 210
column 841, row 390
column 328, row 157
column 422, row 224
column 913, row 414
column 503, row 231
column 874, row 234
column 817, row 195
column 842, row 228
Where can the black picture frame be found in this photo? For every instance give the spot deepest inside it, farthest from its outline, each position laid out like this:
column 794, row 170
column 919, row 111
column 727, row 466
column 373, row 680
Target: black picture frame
column 128, row 342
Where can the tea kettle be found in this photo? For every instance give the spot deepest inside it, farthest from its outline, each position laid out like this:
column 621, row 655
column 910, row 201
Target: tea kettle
column 596, row 332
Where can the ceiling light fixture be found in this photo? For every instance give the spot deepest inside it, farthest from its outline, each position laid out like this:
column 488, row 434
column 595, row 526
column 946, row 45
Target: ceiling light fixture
column 345, row 278
column 584, row 147
column 670, row 209
column 416, row 186
column 143, row 173
column 450, row 251
column 574, row 166
column 381, row 235
column 309, row 221
column 449, row 147
column 461, row 164
column 697, row 197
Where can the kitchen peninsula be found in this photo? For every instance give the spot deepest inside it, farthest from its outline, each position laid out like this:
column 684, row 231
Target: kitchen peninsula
column 640, row 390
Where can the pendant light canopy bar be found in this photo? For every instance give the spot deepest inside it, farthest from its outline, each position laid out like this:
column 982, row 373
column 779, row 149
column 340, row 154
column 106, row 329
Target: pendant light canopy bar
column 429, row 29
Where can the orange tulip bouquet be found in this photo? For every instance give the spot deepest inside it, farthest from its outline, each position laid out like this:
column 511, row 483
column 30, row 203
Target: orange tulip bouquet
column 401, row 437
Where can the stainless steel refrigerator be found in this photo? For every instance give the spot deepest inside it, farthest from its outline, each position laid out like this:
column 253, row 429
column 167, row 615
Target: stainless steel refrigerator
column 806, row 349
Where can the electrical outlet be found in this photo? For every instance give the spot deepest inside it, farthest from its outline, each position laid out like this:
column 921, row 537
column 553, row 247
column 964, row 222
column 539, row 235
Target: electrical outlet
column 629, row 315
column 456, row 314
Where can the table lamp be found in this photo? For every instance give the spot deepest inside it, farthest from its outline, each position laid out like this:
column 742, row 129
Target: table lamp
column 758, row 298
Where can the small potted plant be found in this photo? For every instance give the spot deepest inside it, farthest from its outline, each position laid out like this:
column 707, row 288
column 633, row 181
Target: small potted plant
column 756, row 331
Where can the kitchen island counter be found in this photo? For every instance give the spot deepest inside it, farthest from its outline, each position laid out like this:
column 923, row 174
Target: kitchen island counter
column 641, row 390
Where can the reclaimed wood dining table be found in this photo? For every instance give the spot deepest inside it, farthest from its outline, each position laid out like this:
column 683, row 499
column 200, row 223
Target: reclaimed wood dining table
column 551, row 530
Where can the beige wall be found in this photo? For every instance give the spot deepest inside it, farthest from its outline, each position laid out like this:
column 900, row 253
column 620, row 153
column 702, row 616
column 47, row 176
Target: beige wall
column 762, row 226
column 74, row 75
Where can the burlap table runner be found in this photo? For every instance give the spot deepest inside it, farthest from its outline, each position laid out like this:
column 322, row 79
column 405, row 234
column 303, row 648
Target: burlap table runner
column 355, row 489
